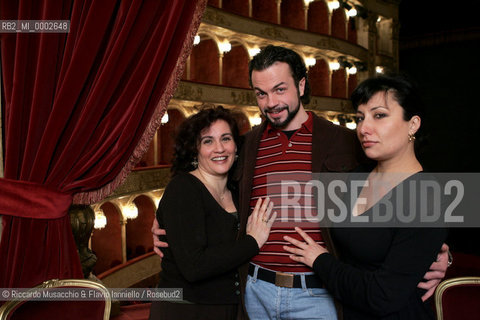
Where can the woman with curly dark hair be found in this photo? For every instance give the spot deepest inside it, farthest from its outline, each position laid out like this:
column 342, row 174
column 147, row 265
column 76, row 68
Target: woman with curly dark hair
column 186, row 142
column 198, row 212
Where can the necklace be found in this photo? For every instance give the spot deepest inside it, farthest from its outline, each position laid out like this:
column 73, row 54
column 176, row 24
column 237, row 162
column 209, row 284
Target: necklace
column 216, row 194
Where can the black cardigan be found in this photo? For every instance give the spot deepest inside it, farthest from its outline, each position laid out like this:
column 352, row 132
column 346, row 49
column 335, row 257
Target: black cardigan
column 203, row 252
column 380, row 267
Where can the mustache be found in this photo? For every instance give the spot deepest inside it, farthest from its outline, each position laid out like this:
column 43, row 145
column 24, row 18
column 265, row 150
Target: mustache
column 276, row 109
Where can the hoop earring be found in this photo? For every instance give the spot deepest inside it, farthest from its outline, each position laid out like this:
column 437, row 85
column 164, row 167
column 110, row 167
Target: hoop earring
column 411, row 137
column 195, row 163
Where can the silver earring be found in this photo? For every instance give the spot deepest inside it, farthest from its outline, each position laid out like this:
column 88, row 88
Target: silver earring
column 195, row 163
column 411, row 137
column 236, row 157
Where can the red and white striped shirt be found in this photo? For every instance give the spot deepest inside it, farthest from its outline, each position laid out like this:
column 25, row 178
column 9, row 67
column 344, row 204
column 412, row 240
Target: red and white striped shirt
column 282, row 169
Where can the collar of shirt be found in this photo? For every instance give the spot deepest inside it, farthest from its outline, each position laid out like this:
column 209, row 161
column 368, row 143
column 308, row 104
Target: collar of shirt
column 307, row 125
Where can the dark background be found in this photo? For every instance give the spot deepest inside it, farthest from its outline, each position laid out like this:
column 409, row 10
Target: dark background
column 440, row 50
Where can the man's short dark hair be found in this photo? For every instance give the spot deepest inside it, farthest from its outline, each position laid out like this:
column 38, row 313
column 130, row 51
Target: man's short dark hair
column 272, row 54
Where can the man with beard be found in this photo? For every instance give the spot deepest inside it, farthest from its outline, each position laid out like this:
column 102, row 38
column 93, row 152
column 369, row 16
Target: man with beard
column 289, row 145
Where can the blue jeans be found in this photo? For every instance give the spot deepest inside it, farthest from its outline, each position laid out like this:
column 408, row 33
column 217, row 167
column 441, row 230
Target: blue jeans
column 264, row 300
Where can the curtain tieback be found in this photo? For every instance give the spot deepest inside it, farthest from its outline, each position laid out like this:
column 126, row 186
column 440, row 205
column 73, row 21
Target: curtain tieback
column 31, row 200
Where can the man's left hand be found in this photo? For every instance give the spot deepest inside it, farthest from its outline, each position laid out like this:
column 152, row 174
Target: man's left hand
column 436, row 273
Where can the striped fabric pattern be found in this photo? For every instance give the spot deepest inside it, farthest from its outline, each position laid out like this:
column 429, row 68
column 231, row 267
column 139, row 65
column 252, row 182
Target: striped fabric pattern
column 278, row 161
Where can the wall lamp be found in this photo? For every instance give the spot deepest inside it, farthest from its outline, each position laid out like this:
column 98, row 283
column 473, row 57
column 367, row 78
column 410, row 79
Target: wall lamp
column 196, row 40
column 100, row 219
column 355, row 10
column 334, row 65
column 332, row 5
column 130, row 211
column 253, row 51
column 352, row 70
column 310, row 62
column 164, row 118
column 224, row 46
column 351, row 11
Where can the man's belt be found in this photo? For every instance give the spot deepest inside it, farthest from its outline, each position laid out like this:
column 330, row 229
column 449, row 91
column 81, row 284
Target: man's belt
column 288, row 280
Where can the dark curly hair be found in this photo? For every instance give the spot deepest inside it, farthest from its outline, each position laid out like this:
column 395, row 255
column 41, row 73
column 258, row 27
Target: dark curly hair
column 271, row 54
column 188, row 136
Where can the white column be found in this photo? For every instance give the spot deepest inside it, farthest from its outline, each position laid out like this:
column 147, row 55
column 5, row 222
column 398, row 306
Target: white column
column 330, row 87
column 188, row 67
column 347, row 22
column 155, row 148
column 279, row 11
column 305, row 8
column 123, row 226
column 330, row 13
column 220, row 68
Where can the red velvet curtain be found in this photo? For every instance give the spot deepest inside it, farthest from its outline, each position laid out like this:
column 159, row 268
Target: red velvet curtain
column 79, row 109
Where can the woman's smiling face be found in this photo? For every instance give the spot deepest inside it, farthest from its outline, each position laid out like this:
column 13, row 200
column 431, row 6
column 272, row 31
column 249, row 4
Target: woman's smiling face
column 216, row 149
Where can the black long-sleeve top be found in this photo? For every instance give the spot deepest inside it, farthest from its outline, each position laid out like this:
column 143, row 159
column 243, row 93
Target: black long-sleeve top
column 379, row 268
column 203, row 252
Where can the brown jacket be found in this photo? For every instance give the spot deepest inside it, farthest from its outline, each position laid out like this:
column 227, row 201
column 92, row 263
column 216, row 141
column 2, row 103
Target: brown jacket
column 334, row 149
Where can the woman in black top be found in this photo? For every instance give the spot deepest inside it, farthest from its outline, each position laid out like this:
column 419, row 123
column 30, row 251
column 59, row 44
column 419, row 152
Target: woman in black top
column 198, row 211
column 380, row 267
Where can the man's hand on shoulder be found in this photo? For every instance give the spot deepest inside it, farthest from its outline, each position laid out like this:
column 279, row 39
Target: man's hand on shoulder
column 436, row 273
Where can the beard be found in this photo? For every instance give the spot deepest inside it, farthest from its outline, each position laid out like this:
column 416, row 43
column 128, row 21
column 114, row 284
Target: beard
column 282, row 124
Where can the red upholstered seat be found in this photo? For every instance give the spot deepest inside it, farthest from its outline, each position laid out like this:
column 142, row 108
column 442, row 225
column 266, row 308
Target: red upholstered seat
column 464, row 264
column 64, row 310
column 458, row 298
